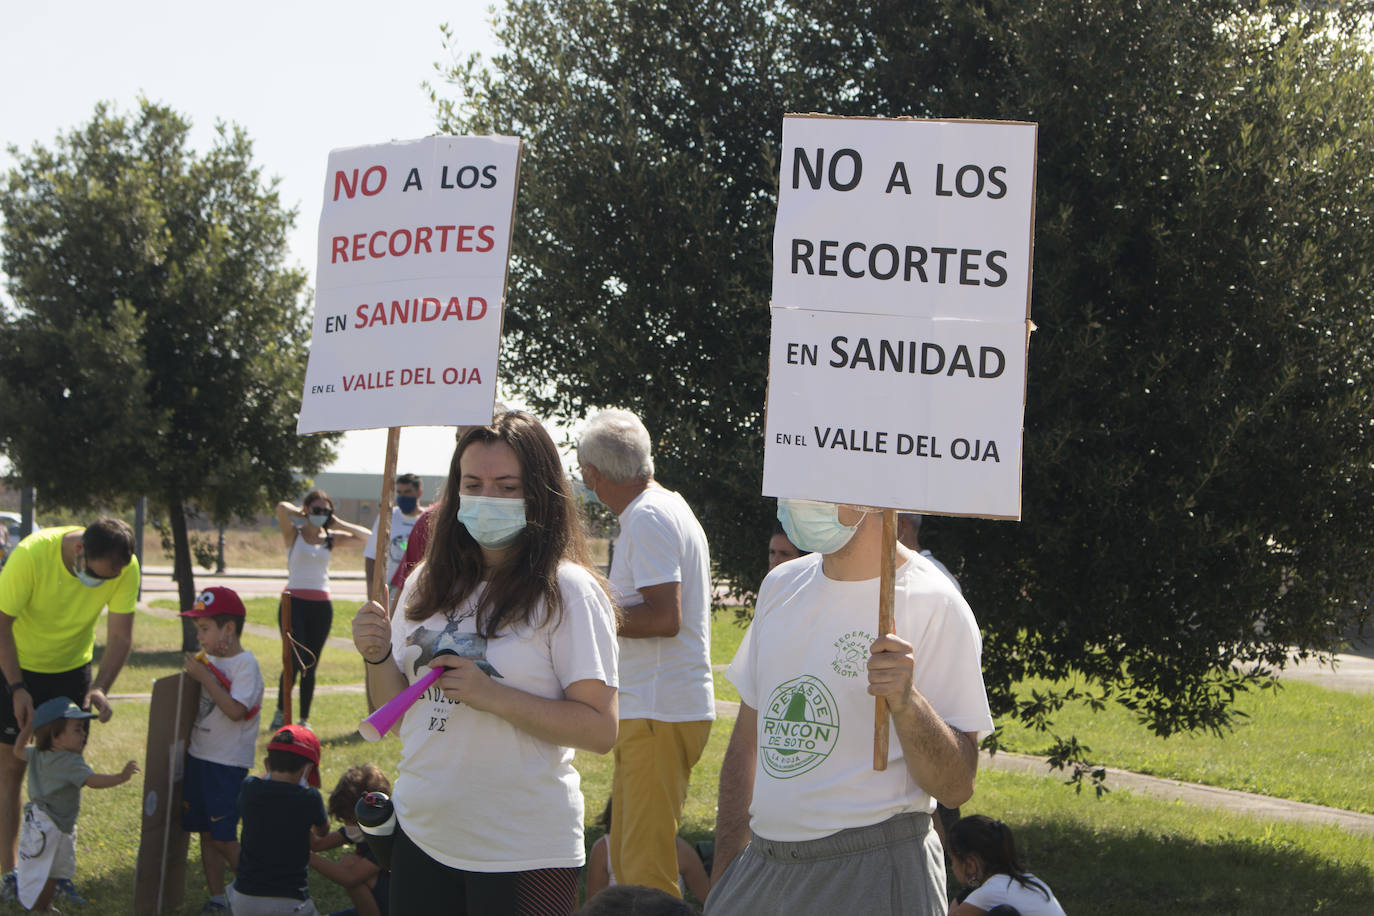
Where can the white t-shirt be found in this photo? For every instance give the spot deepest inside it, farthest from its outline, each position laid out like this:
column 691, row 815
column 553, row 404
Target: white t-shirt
column 1030, row 901
column 944, row 569
column 473, row 791
column 803, row 664
column 307, row 565
column 216, row 737
column 667, row 678
column 401, row 526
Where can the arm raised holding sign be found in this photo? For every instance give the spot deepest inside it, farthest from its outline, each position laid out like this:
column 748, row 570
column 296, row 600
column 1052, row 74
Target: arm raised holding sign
column 806, row 672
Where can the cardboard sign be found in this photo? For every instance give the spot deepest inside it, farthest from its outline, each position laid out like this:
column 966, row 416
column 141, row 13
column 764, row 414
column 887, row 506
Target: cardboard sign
column 160, row 873
column 411, row 277
column 901, row 291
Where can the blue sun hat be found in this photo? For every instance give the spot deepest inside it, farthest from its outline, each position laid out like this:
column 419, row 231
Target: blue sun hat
column 50, row 711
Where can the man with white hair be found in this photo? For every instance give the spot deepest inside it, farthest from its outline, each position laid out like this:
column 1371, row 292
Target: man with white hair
column 661, row 578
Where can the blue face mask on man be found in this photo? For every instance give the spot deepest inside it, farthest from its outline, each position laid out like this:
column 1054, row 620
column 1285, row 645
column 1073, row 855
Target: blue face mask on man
column 814, row 526
column 407, row 504
column 493, row 521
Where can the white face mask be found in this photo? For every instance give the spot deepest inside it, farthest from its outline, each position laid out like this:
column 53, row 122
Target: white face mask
column 88, row 578
column 493, row 521
column 813, row 525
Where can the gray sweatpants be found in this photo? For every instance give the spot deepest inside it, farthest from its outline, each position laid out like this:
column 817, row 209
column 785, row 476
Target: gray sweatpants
column 895, row 868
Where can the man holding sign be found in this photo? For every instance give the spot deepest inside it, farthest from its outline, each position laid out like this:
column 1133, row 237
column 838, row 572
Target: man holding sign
column 797, row 786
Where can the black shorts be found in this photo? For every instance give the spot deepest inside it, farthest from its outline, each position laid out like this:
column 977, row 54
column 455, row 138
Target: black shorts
column 74, row 685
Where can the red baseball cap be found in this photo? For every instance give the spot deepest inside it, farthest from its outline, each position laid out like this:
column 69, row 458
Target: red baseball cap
column 216, row 600
column 299, row 740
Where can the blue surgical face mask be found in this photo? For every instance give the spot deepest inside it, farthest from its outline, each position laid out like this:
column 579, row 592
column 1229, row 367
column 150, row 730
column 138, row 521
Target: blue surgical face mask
column 406, row 504
column 88, row 579
column 814, row 526
column 320, row 519
column 493, row 521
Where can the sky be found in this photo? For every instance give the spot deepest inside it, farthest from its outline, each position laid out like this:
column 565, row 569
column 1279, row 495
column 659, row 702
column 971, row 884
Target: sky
column 300, row 77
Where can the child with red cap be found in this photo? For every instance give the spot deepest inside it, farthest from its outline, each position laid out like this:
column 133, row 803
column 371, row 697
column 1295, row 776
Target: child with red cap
column 279, row 813
column 224, row 736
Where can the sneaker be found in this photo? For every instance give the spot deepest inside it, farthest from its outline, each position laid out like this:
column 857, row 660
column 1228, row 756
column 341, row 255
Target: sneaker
column 276, row 721
column 9, row 887
column 305, row 723
column 68, row 890
column 212, row 908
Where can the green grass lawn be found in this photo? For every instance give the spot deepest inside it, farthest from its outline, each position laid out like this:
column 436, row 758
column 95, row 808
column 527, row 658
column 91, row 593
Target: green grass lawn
column 1140, row 854
column 726, row 633
column 263, row 611
column 1302, row 742
column 1121, row 854
column 1126, row 854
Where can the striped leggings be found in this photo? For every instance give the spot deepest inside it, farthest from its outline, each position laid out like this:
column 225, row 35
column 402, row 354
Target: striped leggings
column 421, row 886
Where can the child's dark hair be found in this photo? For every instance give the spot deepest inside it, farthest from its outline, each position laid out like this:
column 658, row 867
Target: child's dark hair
column 353, row 785
column 635, row 900
column 991, row 841
column 285, row 761
column 43, row 735
column 221, row 619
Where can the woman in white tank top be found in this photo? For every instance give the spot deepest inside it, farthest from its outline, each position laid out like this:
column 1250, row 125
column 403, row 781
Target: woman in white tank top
column 311, row 533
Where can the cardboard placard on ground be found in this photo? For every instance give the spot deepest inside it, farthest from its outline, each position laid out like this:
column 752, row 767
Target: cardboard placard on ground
column 901, row 294
column 413, row 246
column 160, row 873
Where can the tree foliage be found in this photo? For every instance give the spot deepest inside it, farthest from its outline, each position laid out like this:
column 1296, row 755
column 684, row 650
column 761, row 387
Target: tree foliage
column 1199, row 446
column 156, row 342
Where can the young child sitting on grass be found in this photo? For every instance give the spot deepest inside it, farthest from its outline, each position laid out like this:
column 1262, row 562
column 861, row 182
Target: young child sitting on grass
column 223, row 738
column 57, row 773
column 279, row 814
column 691, row 873
column 367, row 883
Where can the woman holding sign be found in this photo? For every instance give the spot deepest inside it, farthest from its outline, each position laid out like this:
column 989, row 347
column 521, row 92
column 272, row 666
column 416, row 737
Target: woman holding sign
column 311, row 532
column 488, row 805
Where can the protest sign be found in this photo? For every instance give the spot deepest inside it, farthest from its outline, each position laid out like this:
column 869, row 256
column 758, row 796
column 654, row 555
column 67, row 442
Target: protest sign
column 414, row 240
column 901, row 290
column 410, row 285
column 160, row 870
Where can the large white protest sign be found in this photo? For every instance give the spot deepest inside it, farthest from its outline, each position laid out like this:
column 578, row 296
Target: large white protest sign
column 414, row 240
column 901, row 284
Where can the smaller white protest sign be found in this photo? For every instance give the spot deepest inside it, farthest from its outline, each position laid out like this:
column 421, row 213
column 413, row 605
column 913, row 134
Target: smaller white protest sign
column 414, row 240
column 919, row 414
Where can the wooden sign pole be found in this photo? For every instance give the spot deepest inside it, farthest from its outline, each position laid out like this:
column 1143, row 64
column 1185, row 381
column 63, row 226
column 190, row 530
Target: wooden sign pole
column 288, row 652
column 887, row 584
column 377, row 588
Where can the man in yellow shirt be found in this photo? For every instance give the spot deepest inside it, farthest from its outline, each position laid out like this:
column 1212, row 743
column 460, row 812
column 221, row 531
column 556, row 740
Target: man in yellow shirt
column 52, row 590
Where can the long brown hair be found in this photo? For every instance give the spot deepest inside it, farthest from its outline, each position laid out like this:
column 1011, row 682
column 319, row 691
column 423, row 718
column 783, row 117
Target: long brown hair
column 553, row 534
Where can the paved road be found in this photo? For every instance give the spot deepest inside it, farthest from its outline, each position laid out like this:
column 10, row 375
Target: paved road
column 253, row 583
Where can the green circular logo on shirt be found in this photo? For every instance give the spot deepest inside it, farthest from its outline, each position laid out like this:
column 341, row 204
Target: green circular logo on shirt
column 800, row 727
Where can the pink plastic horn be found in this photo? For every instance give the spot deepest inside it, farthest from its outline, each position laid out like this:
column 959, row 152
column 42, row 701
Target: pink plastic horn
column 388, row 714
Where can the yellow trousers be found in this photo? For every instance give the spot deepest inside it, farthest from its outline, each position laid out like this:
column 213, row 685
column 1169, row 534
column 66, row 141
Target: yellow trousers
column 653, row 762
